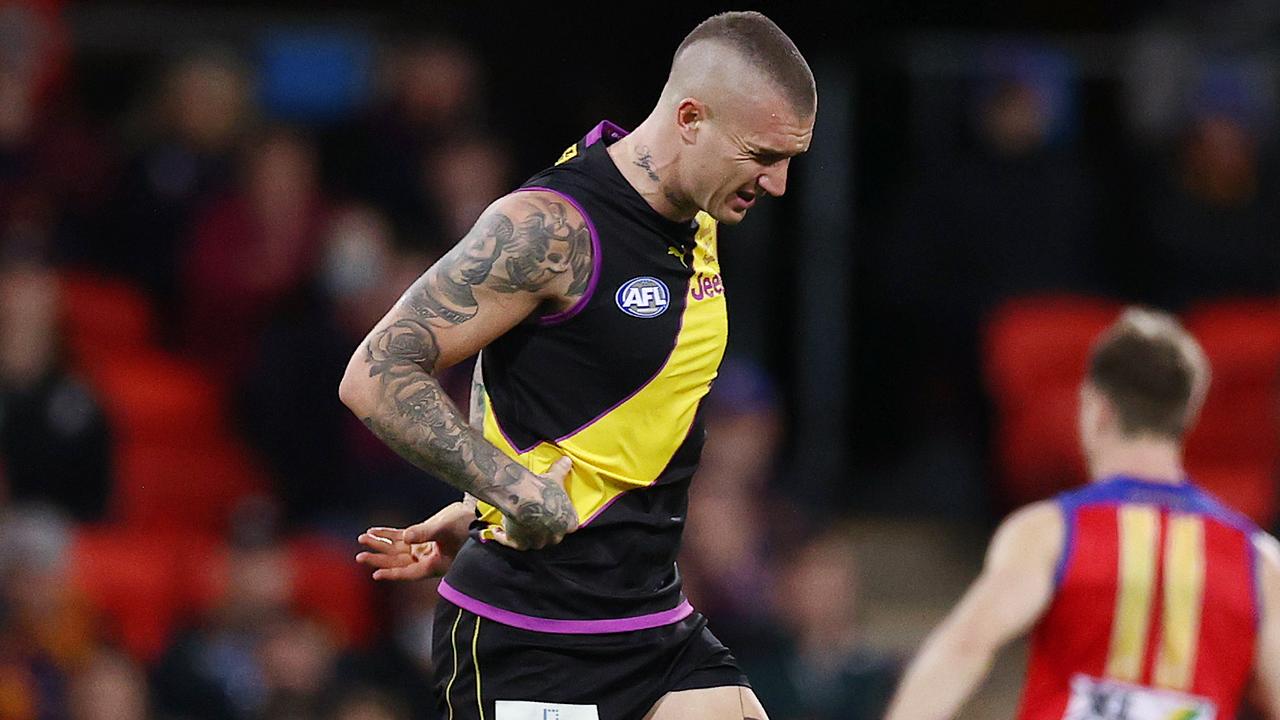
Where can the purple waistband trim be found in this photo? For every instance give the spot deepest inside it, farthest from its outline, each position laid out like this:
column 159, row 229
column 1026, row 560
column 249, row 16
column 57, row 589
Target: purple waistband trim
column 557, row 318
column 564, row 627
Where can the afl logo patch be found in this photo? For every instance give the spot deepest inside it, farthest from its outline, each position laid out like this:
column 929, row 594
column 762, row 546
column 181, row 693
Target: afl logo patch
column 643, row 297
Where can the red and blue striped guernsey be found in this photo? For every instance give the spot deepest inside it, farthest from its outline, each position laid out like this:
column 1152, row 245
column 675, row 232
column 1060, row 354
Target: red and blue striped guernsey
column 1156, row 609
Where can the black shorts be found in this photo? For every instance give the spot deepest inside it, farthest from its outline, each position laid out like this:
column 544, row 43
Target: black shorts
column 479, row 662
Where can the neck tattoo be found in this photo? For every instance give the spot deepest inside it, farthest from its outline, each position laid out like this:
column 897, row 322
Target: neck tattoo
column 644, row 159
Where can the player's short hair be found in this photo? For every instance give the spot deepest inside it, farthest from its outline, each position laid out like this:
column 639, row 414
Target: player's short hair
column 762, row 43
column 1153, row 371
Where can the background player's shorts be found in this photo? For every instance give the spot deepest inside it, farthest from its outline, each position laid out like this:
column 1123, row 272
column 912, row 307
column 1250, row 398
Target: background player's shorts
column 479, row 662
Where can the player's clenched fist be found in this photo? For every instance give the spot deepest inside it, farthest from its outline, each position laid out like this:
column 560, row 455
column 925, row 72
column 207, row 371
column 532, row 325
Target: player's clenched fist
column 537, row 524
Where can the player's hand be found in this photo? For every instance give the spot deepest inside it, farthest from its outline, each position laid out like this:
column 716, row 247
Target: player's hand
column 544, row 521
column 419, row 551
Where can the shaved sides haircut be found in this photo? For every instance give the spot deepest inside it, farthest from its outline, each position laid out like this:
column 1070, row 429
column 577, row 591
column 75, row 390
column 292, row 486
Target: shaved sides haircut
column 1152, row 370
column 763, row 45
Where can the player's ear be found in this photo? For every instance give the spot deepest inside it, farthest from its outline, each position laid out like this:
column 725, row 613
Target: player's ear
column 1091, row 422
column 690, row 113
column 1108, row 418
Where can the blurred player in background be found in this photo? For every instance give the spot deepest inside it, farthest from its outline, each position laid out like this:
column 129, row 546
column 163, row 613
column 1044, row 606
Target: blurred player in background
column 1150, row 599
column 595, row 293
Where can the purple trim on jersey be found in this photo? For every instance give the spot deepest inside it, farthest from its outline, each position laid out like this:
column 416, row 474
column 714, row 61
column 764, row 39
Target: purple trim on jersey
column 1068, row 540
column 1123, row 488
column 615, row 406
column 605, row 506
column 615, row 132
column 1254, row 580
column 1115, row 490
column 1183, row 497
column 614, row 499
column 498, row 421
column 519, row 451
column 560, row 317
column 1206, row 504
column 564, row 627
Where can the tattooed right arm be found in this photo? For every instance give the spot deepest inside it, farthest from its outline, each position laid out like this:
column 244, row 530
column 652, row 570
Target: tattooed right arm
column 528, row 251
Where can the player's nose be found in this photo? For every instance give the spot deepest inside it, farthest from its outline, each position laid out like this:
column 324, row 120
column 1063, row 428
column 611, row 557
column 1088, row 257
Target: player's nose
column 774, row 179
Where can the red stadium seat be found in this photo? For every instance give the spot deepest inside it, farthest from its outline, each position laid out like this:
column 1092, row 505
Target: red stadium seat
column 1238, row 433
column 1038, row 449
column 130, row 577
column 1241, row 416
column 1035, row 350
column 328, row 585
column 103, row 317
column 151, row 396
column 1248, row 489
column 1033, row 340
column 183, row 484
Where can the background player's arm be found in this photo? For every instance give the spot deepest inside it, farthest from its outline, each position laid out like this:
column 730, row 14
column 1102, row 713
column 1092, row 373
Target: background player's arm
column 1012, row 592
column 529, row 250
column 475, row 417
column 1267, row 665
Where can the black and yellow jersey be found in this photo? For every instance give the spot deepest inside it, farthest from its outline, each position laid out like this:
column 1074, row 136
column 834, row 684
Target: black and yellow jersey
column 614, row 382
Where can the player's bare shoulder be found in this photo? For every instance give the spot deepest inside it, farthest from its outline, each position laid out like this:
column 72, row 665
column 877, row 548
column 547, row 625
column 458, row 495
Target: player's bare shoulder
column 532, row 241
column 1268, row 551
column 1033, row 521
column 1031, row 534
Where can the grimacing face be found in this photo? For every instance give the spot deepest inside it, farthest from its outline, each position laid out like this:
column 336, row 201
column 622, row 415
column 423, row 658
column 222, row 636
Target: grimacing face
column 743, row 152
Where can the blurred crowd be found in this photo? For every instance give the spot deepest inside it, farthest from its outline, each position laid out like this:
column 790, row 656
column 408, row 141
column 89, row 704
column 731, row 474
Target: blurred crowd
column 1142, row 172
column 180, row 289
column 182, row 283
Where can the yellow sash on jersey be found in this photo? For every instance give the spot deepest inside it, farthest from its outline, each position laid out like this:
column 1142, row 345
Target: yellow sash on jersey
column 630, row 445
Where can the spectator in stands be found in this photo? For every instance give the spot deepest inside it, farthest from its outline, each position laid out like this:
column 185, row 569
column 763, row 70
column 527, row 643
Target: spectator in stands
column 818, row 667
column 1208, row 220
column 109, row 687
column 1012, row 209
column 299, row 664
column 253, row 655
column 185, row 159
column 373, row 704
column 402, row 657
column 329, row 469
column 461, row 178
column 250, row 251
column 433, row 92
column 54, row 442
column 45, row 632
column 213, row 669
column 54, row 168
column 732, row 518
